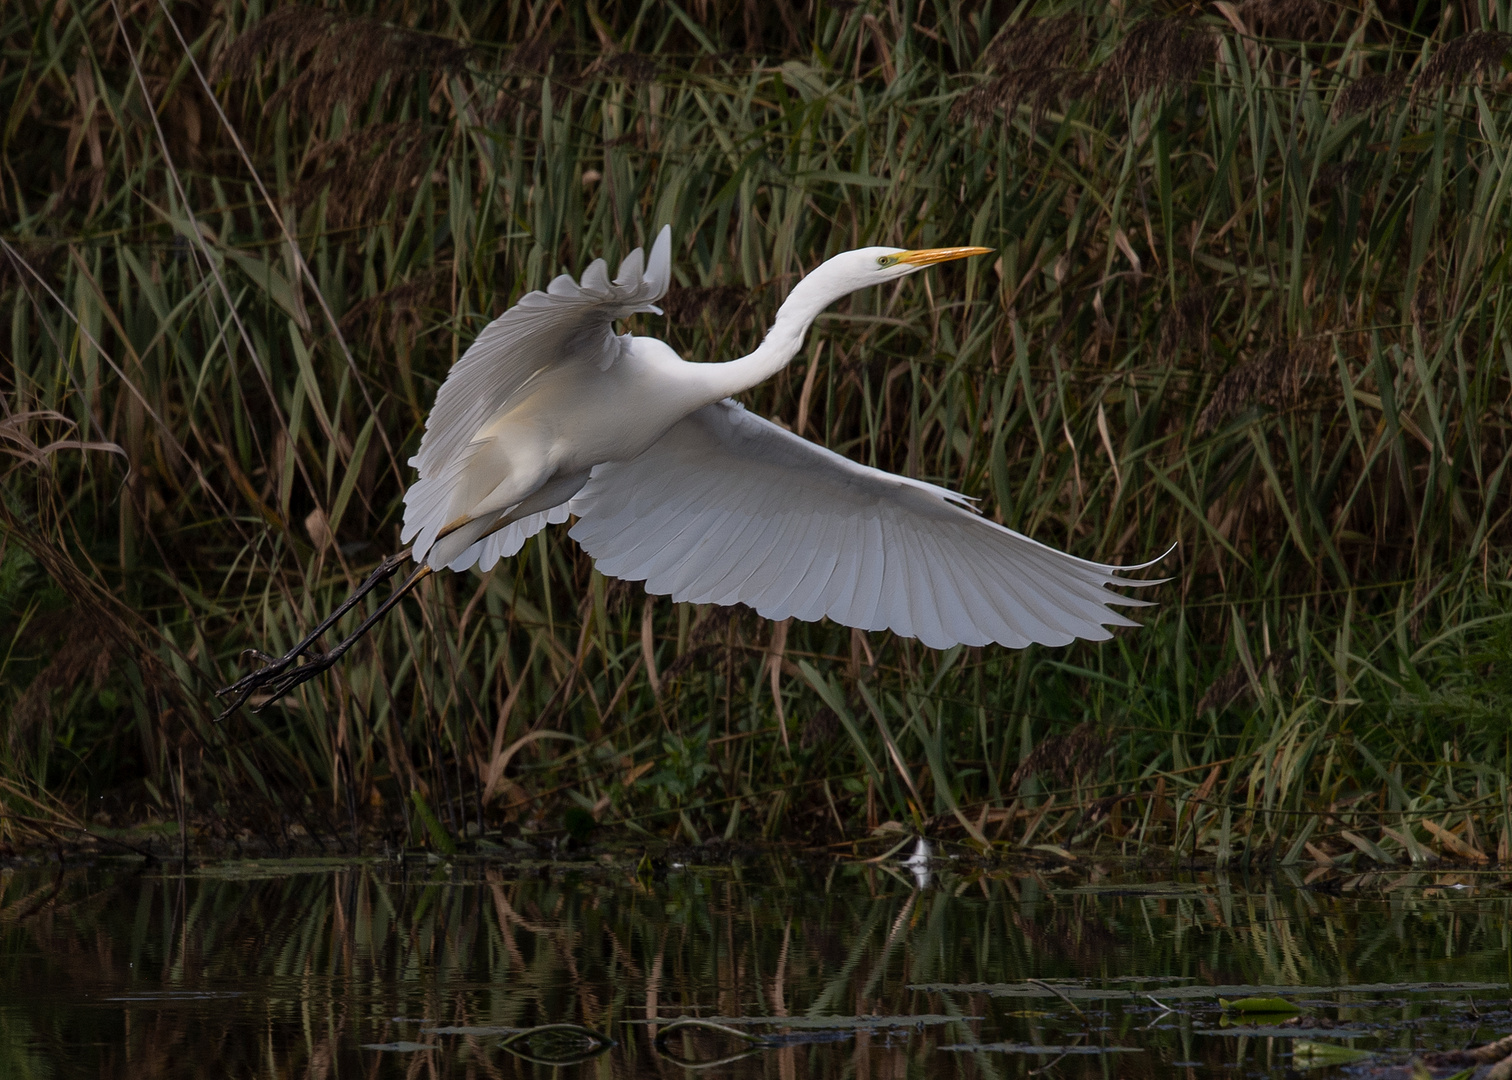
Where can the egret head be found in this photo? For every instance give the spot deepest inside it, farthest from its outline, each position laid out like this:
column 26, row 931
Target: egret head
column 894, row 262
column 837, row 277
column 852, row 270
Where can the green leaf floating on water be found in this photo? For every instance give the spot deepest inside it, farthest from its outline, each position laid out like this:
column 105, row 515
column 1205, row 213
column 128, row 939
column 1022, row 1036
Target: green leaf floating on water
column 1316, row 1055
column 1258, row 1005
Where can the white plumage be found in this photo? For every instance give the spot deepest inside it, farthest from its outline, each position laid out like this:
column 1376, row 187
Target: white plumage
column 551, row 414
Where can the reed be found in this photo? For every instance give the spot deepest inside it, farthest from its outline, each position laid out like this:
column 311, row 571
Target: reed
column 1250, row 297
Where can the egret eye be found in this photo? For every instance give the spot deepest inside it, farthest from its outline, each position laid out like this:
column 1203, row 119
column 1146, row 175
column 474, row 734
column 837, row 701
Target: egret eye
column 886, row 260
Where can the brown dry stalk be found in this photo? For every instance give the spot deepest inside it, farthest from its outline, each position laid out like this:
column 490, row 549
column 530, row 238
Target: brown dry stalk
column 404, row 303
column 721, row 302
column 1498, row 1051
column 820, row 729
column 32, row 256
column 628, row 66
column 1227, row 688
column 1035, row 62
column 109, row 621
column 1186, row 322
column 1156, row 54
column 1032, row 62
column 82, row 653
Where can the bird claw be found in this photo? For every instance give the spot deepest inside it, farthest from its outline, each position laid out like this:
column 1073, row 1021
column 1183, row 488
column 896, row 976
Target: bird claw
column 280, row 674
column 283, row 682
column 274, row 677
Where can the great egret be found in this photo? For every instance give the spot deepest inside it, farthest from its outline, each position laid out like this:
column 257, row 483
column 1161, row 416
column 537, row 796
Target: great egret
column 550, row 413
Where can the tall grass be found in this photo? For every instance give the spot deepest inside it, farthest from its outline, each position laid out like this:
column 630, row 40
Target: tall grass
column 1250, row 297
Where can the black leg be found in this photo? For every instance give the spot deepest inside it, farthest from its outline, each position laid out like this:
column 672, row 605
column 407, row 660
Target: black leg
column 278, row 675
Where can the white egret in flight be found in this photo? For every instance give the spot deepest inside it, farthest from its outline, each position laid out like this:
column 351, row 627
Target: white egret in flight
column 551, row 413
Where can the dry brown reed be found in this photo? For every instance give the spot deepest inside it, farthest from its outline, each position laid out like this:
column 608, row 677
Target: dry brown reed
column 1186, row 324
column 633, row 68
column 1236, row 682
column 1156, row 55
column 1031, row 63
column 721, row 303
column 363, row 170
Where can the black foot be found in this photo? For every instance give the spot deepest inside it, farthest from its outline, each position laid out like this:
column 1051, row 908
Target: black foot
column 276, row 678
column 280, row 674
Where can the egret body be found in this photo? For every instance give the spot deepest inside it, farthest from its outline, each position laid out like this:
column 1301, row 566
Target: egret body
column 550, row 414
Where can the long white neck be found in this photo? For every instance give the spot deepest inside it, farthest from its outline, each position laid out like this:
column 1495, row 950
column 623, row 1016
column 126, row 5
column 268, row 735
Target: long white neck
column 809, row 297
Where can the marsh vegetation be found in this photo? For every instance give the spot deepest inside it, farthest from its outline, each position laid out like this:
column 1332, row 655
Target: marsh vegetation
column 1250, row 298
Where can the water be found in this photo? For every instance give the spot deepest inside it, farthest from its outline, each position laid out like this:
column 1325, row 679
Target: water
column 423, row 969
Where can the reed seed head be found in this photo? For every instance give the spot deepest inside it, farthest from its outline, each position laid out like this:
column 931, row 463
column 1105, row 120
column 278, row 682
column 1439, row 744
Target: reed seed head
column 1367, row 93
column 1463, row 59
column 1156, row 54
column 1064, row 758
column 1186, row 323
column 1275, row 380
column 1031, row 65
column 1290, row 20
column 340, row 59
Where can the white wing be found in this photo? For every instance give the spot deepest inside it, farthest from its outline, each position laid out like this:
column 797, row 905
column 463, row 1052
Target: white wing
column 508, row 540
column 567, row 323
column 729, row 508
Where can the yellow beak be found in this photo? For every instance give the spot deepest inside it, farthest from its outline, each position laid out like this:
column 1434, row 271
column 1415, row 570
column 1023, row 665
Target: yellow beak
column 930, row 256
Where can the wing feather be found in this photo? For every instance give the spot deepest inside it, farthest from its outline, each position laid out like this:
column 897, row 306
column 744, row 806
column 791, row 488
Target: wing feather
column 568, row 322
column 674, row 562
column 839, row 593
column 770, row 555
column 1016, row 594
column 723, row 556
column 926, row 614
column 892, row 603
column 957, row 619
column 508, row 540
column 984, row 611
column 806, row 597
column 786, row 562
column 728, row 507
column 790, row 564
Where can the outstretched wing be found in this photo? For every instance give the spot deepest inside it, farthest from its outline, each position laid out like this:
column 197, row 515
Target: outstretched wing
column 570, row 322
column 729, row 508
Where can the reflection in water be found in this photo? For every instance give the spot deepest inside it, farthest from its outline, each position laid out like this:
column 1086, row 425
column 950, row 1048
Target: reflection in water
column 918, row 864
column 826, row 970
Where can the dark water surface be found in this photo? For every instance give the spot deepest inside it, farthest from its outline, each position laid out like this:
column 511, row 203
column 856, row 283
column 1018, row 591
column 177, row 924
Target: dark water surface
column 419, row 969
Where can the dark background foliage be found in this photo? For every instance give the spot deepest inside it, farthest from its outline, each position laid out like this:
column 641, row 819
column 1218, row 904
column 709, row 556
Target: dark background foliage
column 1249, row 298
